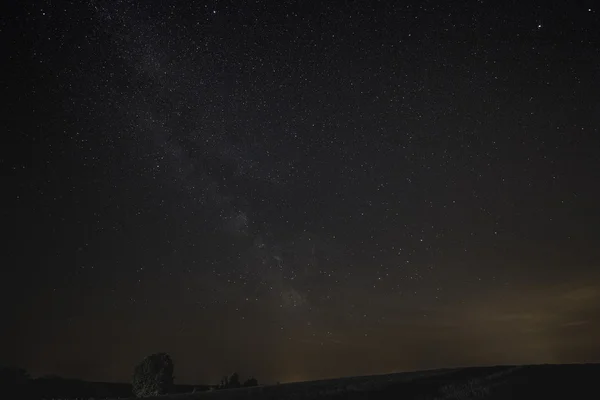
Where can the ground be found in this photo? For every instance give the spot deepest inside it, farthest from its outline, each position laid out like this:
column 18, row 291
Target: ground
column 500, row 382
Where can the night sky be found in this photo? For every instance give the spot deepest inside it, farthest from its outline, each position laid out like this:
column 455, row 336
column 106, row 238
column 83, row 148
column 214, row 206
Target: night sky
column 298, row 190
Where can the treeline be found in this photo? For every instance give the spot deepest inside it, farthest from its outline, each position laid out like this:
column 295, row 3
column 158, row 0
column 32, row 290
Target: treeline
column 233, row 382
column 153, row 376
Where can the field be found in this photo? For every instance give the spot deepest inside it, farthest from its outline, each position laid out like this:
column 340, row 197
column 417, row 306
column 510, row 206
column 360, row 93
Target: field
column 572, row 381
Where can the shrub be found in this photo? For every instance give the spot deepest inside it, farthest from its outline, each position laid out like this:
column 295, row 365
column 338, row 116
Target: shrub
column 234, row 381
column 153, row 376
column 251, row 382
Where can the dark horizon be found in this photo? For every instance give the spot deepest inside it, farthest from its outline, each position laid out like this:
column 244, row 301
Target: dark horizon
column 298, row 191
column 269, row 383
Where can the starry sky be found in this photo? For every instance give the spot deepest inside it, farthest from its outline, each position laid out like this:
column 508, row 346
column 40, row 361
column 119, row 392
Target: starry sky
column 298, row 190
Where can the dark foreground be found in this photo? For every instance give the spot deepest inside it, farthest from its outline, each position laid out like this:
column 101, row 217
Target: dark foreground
column 577, row 381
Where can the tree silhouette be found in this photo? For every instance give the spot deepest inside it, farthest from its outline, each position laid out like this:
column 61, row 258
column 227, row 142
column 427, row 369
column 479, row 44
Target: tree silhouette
column 250, row 382
column 153, row 376
column 224, row 383
column 234, row 380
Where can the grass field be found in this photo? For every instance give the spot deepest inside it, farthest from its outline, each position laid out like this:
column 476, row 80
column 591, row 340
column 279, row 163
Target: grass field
column 572, row 381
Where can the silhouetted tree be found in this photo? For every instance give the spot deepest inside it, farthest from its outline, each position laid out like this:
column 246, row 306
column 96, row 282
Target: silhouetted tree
column 224, row 383
column 251, row 382
column 231, row 382
column 153, row 376
column 234, row 380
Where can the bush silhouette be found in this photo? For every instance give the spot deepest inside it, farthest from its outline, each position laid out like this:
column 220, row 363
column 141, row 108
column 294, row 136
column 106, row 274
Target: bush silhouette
column 251, row 382
column 234, row 380
column 153, row 376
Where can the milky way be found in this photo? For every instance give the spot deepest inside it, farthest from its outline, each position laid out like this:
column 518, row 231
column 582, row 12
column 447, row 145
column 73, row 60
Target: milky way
column 298, row 190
